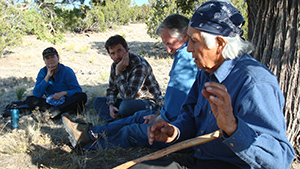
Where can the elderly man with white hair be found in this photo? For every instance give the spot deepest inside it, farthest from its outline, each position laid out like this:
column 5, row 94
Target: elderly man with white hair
column 235, row 93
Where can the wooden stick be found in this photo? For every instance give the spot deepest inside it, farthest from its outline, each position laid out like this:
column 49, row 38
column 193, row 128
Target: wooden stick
column 176, row 147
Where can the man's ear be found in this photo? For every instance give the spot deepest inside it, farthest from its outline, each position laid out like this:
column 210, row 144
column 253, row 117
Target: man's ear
column 221, row 42
column 185, row 35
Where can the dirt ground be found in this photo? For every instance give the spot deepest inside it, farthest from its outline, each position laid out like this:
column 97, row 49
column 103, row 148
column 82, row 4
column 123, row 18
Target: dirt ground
column 84, row 53
column 45, row 145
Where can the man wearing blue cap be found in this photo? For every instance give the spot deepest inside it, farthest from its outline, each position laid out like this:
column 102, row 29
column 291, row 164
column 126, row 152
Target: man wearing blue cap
column 235, row 93
column 60, row 86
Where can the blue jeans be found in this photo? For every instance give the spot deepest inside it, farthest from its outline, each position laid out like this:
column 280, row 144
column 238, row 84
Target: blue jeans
column 126, row 132
column 126, row 107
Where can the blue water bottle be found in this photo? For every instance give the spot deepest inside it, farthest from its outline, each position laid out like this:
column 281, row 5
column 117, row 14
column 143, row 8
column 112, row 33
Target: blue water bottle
column 14, row 113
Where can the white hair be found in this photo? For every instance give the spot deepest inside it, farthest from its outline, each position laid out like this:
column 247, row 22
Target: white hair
column 235, row 46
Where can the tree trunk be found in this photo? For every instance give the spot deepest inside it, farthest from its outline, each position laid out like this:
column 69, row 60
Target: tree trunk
column 274, row 30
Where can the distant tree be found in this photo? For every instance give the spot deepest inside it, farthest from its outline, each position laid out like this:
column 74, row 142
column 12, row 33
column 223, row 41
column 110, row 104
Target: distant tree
column 10, row 32
column 159, row 9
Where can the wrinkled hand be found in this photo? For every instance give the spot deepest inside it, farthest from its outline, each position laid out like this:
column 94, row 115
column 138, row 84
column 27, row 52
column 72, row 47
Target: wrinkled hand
column 113, row 112
column 153, row 118
column 149, row 119
column 57, row 96
column 123, row 63
column 161, row 132
column 221, row 106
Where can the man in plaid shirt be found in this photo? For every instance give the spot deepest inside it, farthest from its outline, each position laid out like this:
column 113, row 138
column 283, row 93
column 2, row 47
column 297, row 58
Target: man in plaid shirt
column 132, row 78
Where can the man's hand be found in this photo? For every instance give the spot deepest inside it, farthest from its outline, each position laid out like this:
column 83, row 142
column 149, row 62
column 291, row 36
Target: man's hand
column 152, row 118
column 50, row 71
column 57, row 96
column 123, row 63
column 113, row 111
column 220, row 103
column 149, row 119
column 161, row 132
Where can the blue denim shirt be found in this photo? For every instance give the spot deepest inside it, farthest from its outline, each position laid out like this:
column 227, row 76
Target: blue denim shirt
column 65, row 80
column 182, row 77
column 257, row 101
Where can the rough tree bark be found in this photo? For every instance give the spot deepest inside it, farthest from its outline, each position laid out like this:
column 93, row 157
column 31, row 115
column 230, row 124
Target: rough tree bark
column 274, row 30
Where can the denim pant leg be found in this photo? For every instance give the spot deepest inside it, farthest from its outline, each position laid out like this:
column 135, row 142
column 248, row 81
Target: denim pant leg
column 113, row 127
column 129, row 107
column 129, row 136
column 101, row 108
column 121, row 132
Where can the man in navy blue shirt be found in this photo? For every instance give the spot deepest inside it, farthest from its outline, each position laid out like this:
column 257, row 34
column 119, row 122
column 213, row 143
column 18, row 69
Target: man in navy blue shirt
column 132, row 130
column 234, row 93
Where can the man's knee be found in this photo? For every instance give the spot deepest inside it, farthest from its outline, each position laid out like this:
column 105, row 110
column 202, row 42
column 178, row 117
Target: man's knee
column 99, row 101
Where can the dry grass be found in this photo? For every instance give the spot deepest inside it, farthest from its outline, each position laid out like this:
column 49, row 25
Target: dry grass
column 44, row 143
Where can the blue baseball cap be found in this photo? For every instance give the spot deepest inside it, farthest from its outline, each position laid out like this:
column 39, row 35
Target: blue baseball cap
column 218, row 18
column 49, row 51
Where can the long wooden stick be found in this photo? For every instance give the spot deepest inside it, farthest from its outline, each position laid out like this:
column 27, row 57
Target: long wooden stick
column 176, row 147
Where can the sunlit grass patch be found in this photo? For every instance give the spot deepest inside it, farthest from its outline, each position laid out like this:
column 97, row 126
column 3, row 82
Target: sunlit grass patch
column 83, row 49
column 70, row 47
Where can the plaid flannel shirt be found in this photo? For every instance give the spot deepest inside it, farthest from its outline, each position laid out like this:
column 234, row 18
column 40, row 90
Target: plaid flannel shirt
column 136, row 81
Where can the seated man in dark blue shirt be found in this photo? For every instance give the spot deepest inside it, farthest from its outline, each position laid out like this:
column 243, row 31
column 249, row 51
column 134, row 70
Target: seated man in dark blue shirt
column 59, row 84
column 234, row 93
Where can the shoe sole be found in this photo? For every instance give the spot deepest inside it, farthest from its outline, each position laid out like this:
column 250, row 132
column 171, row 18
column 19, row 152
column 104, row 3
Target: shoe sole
column 69, row 131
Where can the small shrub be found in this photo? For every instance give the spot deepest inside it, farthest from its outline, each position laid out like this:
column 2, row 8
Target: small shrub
column 104, row 76
column 70, row 47
column 92, row 59
column 83, row 49
column 20, row 92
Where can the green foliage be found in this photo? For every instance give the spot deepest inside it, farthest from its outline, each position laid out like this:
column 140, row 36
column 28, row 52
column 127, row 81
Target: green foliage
column 20, row 92
column 94, row 20
column 117, row 12
column 140, row 13
column 83, row 49
column 10, row 31
column 242, row 6
column 162, row 8
column 48, row 20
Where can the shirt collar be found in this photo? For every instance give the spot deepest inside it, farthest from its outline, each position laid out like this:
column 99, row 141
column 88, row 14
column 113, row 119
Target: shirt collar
column 183, row 46
column 224, row 70
column 178, row 50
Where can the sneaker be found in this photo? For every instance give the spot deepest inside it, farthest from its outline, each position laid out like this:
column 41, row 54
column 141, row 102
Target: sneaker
column 78, row 133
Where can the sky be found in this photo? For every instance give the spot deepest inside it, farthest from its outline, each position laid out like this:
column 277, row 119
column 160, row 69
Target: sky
column 140, row 2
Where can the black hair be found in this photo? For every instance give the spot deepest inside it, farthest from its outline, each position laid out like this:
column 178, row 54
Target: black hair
column 115, row 40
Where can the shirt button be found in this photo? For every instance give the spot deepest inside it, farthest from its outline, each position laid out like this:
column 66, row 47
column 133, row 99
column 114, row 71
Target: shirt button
column 209, row 112
column 201, row 131
column 231, row 144
column 198, row 149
